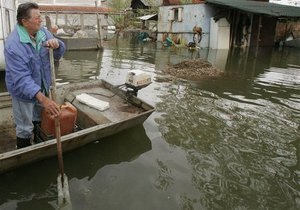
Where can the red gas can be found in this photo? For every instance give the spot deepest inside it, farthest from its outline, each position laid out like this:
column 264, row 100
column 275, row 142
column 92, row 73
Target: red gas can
column 67, row 121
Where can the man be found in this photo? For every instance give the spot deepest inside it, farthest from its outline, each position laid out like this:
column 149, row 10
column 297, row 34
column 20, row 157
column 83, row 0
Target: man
column 28, row 71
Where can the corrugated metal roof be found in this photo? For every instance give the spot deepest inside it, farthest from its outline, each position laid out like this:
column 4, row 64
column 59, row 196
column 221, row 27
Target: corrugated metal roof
column 65, row 8
column 259, row 7
column 148, row 17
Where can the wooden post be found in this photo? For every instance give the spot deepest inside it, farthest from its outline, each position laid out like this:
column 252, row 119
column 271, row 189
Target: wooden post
column 250, row 32
column 56, row 18
column 66, row 19
column 99, row 28
column 48, row 22
column 232, row 27
column 258, row 35
column 82, row 21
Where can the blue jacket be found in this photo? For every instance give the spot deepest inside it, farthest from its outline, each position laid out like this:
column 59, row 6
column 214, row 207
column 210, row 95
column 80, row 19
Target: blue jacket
column 27, row 67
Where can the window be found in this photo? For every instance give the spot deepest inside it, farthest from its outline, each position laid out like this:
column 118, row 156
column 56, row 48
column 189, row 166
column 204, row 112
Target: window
column 175, row 14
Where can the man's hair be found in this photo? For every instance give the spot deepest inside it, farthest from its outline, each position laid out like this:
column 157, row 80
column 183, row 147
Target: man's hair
column 24, row 9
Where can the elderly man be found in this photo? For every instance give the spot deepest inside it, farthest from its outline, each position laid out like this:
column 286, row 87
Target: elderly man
column 28, row 71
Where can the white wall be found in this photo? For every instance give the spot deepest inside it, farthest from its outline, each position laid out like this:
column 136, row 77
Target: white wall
column 192, row 15
column 7, row 23
column 219, row 34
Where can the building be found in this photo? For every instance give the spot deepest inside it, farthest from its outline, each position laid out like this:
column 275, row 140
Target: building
column 7, row 23
column 241, row 23
column 257, row 23
column 177, row 21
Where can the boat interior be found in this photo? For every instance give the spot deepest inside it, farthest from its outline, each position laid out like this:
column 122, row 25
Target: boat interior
column 120, row 109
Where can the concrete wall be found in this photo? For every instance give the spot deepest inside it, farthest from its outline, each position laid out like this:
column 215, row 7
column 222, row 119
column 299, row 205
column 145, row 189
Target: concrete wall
column 219, row 34
column 192, row 15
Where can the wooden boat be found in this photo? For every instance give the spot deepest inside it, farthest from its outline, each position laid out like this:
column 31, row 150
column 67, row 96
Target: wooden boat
column 293, row 43
column 125, row 111
column 75, row 43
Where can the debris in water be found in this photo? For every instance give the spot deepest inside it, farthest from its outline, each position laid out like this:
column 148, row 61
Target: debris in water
column 194, row 70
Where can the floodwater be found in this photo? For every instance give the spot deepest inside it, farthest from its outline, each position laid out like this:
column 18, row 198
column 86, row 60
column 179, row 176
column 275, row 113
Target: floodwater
column 228, row 143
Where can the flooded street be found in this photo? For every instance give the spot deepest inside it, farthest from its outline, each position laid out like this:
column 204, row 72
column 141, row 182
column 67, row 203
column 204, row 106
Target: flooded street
column 231, row 142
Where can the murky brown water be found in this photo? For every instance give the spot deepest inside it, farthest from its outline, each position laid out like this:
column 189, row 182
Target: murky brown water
column 226, row 143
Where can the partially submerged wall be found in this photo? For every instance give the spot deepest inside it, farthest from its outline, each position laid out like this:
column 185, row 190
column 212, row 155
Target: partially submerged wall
column 178, row 21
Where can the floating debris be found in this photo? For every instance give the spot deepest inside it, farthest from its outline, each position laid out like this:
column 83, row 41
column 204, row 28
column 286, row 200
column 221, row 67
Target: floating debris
column 194, row 70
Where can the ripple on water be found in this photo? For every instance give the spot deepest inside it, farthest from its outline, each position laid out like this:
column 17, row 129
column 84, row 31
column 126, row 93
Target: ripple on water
column 237, row 134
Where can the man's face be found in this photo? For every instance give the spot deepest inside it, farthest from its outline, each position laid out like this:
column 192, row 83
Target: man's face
column 33, row 24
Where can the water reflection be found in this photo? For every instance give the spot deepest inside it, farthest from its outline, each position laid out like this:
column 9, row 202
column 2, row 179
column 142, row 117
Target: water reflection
column 239, row 133
column 165, row 178
column 38, row 180
column 127, row 56
column 77, row 66
column 108, row 152
column 227, row 143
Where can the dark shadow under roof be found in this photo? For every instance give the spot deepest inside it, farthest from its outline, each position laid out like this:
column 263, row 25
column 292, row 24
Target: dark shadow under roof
column 258, row 7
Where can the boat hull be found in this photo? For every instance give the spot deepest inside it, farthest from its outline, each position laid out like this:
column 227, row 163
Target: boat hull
column 92, row 132
column 293, row 43
column 79, row 43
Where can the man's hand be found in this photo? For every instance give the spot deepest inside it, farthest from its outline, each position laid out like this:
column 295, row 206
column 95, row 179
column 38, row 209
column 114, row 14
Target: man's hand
column 52, row 43
column 50, row 106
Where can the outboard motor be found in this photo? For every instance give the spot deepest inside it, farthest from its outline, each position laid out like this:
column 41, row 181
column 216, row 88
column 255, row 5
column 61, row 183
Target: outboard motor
column 136, row 80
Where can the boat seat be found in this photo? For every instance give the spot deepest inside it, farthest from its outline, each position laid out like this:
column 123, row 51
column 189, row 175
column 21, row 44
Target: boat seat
column 86, row 115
